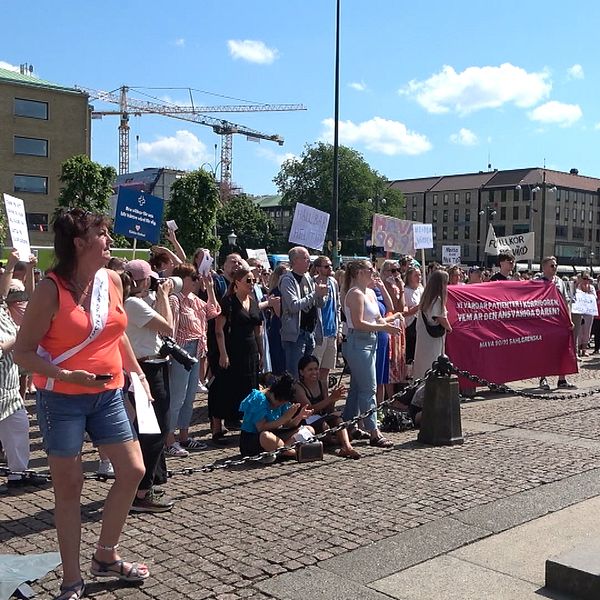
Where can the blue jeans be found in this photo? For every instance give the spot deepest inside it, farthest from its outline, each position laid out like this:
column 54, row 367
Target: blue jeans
column 294, row 351
column 183, row 386
column 359, row 350
column 64, row 418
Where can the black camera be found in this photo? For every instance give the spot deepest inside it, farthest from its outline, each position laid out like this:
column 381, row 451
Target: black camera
column 177, row 284
column 171, row 348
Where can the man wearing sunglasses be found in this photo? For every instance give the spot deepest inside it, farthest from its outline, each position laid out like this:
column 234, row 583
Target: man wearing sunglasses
column 506, row 262
column 301, row 301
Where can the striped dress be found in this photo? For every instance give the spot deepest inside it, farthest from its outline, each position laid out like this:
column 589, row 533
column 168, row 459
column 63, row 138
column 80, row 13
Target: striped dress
column 10, row 399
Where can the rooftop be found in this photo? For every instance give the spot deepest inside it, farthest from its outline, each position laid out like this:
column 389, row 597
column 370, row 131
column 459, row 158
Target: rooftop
column 32, row 81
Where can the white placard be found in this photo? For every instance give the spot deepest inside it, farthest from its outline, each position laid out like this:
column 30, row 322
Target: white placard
column 450, row 255
column 423, row 235
column 17, row 224
column 584, row 304
column 261, row 255
column 144, row 411
column 309, row 227
column 205, row 264
column 520, row 245
column 172, row 225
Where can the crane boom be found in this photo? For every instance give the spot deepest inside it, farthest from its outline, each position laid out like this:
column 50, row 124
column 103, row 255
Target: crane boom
column 195, row 114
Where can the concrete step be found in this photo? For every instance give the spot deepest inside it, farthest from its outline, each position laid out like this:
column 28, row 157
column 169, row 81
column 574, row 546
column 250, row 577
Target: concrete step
column 576, row 572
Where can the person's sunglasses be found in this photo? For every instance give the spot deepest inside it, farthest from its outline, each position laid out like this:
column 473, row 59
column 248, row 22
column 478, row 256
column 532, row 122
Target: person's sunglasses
column 250, row 280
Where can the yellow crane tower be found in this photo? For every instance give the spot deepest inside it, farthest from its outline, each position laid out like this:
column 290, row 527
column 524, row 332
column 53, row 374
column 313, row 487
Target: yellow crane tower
column 195, row 114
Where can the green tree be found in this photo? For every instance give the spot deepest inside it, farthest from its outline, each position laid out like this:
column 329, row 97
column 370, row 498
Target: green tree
column 309, row 180
column 253, row 227
column 193, row 205
column 86, row 184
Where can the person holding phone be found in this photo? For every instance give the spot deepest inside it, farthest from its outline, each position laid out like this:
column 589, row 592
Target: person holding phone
column 73, row 329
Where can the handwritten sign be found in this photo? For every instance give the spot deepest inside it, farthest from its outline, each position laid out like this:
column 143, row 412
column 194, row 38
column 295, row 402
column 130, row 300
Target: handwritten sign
column 17, row 224
column 261, row 255
column 584, row 304
column 450, row 255
column 309, row 227
column 520, row 245
column 393, row 235
column 423, row 235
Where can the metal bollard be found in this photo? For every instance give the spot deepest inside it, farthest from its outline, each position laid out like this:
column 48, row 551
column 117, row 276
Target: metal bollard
column 440, row 420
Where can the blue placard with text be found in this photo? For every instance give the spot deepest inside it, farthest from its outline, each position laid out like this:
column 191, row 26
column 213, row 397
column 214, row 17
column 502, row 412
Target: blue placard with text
column 138, row 215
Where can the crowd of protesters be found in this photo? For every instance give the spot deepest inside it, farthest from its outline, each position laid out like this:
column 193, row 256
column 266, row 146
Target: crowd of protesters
column 262, row 344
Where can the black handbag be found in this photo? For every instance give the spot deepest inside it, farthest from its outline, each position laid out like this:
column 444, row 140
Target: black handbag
column 435, row 331
column 309, row 451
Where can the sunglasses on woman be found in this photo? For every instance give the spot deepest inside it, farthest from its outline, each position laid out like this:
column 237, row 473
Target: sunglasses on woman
column 250, row 280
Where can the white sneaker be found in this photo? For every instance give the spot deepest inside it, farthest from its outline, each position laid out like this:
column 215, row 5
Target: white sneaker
column 202, row 388
column 176, row 450
column 105, row 468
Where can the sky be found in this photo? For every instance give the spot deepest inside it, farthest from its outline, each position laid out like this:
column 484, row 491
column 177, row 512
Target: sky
column 426, row 88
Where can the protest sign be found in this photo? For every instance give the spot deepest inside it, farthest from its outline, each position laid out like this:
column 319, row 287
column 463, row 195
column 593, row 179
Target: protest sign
column 521, row 245
column 261, row 255
column 510, row 330
column 585, row 304
column 309, row 227
column 423, row 235
column 138, row 215
column 450, row 255
column 393, row 235
column 17, row 225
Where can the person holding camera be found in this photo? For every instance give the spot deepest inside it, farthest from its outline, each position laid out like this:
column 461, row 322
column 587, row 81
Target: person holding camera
column 145, row 325
column 190, row 316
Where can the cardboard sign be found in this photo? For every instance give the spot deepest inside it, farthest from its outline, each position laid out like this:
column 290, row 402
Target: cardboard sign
column 146, row 417
column 138, row 215
column 584, row 304
column 450, row 255
column 520, row 245
column 261, row 255
column 17, row 225
column 205, row 264
column 423, row 235
column 393, row 235
column 309, row 227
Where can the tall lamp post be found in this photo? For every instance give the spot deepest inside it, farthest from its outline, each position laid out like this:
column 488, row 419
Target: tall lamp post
column 232, row 239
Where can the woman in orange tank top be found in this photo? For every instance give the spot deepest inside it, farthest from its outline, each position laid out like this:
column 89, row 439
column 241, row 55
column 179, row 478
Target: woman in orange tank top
column 73, row 339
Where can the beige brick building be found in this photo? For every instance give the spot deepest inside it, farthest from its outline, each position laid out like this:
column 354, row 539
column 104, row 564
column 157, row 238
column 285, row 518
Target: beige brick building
column 41, row 125
column 562, row 208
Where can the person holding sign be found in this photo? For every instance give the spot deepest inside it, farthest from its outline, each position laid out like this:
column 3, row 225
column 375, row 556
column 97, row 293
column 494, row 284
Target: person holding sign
column 73, row 339
column 583, row 311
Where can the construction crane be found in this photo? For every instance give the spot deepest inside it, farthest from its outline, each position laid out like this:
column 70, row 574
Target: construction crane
column 226, row 129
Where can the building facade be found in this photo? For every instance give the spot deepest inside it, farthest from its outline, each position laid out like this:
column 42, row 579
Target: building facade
column 42, row 125
column 563, row 209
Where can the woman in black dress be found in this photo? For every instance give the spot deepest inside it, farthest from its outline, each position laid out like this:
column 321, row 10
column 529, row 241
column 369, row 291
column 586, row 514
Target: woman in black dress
column 238, row 333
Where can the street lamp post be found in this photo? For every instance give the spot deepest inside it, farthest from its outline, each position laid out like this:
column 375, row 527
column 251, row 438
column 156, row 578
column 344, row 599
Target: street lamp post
column 232, row 239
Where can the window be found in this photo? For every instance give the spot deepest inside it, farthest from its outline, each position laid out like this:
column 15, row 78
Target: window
column 37, row 221
column 574, row 214
column 31, row 146
column 456, row 215
column 434, row 216
column 467, row 232
column 455, row 233
column 566, row 215
column 456, row 197
column 30, row 183
column 468, row 197
column 445, row 198
column 465, row 250
column 578, row 233
column 520, row 228
column 515, row 213
column 528, row 211
column 444, row 233
column 583, row 215
column 435, row 200
column 286, row 213
column 445, row 216
column 31, row 108
column 414, row 201
column 562, row 231
column 414, row 215
column 500, row 230
column 558, row 213
column 503, row 213
column 589, row 235
column 503, row 196
column 591, row 217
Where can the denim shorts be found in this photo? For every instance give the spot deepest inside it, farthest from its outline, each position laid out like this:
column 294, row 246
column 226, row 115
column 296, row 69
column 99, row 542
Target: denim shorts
column 64, row 418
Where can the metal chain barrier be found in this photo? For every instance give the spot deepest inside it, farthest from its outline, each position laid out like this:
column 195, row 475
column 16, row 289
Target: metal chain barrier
column 237, row 462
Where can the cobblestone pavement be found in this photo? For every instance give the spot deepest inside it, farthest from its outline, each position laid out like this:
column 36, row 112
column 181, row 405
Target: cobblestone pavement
column 232, row 528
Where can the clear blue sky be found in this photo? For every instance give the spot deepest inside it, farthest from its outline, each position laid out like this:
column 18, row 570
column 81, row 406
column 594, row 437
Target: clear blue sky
column 426, row 87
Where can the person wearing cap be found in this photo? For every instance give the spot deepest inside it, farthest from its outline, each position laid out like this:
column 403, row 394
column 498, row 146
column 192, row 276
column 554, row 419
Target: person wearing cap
column 475, row 274
column 582, row 323
column 506, row 262
column 145, row 325
column 549, row 267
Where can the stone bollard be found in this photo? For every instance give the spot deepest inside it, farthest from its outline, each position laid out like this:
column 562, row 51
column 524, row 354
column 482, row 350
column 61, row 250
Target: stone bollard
column 440, row 420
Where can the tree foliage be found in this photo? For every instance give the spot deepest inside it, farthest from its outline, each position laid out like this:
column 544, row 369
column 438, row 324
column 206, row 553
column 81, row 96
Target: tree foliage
column 86, row 184
column 193, row 206
column 253, row 227
column 309, row 180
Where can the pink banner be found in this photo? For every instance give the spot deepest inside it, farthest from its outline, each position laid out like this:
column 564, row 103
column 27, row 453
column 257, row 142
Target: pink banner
column 510, row 330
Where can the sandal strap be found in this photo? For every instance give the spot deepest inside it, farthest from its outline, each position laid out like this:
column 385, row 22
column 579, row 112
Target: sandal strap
column 72, row 592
